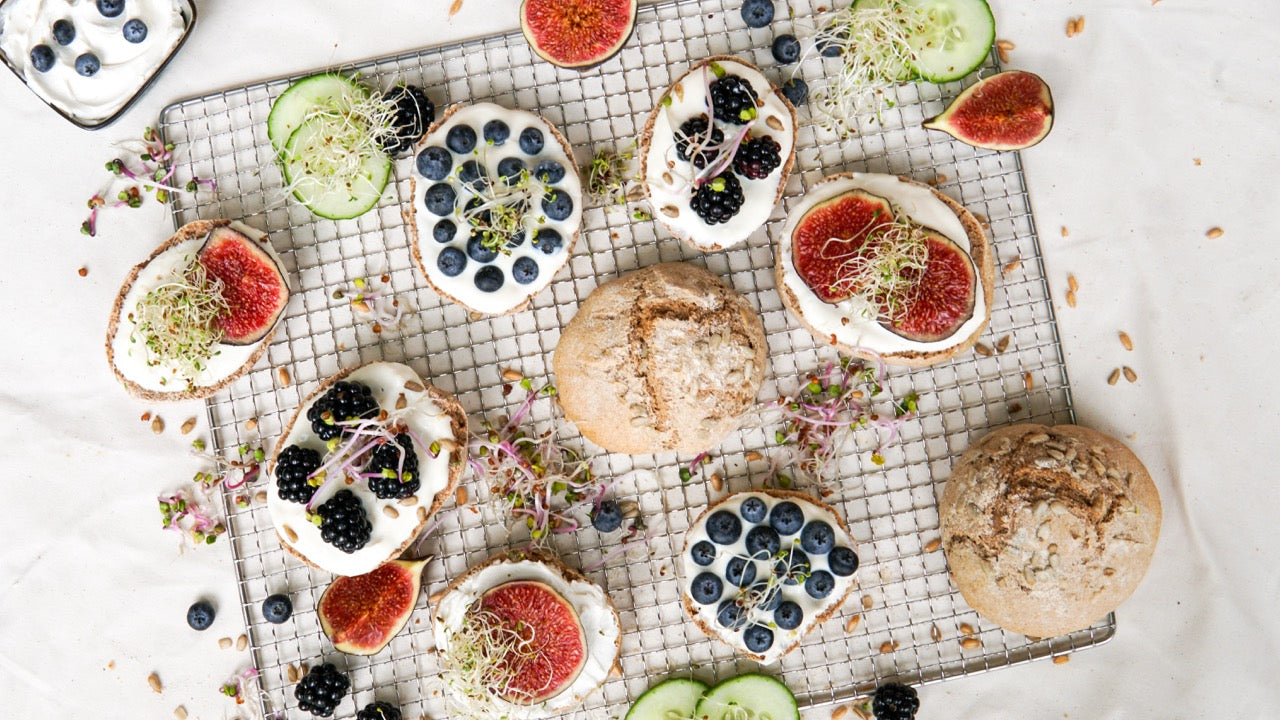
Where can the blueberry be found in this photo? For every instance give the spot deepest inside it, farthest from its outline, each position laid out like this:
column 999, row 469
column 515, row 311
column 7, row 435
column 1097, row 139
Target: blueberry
column 548, row 241
column 706, row 588
column 753, row 510
column 110, row 8
column 762, row 542
column 817, row 538
column 524, row 270
column 786, row 517
column 703, row 553
column 88, row 65
column 135, row 31
column 828, row 47
column 820, row 584
column 549, row 171
column 441, row 198
column 796, row 91
column 200, row 615
column 793, row 567
column 461, row 139
column 757, row 638
column 451, row 262
column 557, row 204
column 786, row 49
column 531, row 141
column 509, row 169
column 434, row 163
column 843, row 561
column 740, row 572
column 64, row 32
column 277, row 608
column 757, row 13
column 769, row 597
column 730, row 614
column 472, row 174
column 496, row 132
column 788, row 616
column 477, row 250
column 723, row 527
column 42, row 58
column 444, row 231
column 516, row 239
column 489, row 279
column 607, row 517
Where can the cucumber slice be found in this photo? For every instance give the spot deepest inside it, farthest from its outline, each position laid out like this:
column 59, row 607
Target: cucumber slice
column 957, row 41
column 334, row 181
column 762, row 696
column 677, row 697
column 289, row 110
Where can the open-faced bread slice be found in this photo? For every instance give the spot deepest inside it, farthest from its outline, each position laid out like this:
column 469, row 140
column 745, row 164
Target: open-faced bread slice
column 710, row 157
column 198, row 313
column 368, row 459
column 850, row 227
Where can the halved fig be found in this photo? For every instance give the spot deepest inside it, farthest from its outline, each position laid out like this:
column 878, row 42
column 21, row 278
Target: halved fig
column 943, row 297
column 577, row 34
column 253, row 285
column 554, row 648
column 362, row 613
column 829, row 234
column 1007, row 111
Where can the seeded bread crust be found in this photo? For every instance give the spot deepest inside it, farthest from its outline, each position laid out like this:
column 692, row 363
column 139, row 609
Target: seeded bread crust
column 980, row 252
column 1047, row 529
column 409, row 212
column 187, row 232
column 569, row 575
column 667, row 357
column 799, row 497
column 646, row 139
column 457, row 425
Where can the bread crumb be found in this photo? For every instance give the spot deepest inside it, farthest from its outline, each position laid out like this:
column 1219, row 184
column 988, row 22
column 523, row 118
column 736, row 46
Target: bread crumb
column 866, row 602
column 1064, row 231
column 1194, row 160
column 83, row 271
column 460, row 497
column 1061, row 659
column 250, row 424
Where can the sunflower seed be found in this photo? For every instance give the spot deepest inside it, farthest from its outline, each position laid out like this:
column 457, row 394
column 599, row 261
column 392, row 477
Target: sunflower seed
column 1002, row 344
column 1061, row 659
column 888, row 647
column 670, row 211
column 839, row 712
column 390, row 511
column 512, row 375
column 180, row 713
column 852, row 623
column 966, row 629
column 866, row 602
column 187, row 426
column 982, row 350
column 411, row 500
column 460, row 497
column 1071, row 298
column 935, row 633
column 1114, row 377
column 753, row 456
column 1072, row 283
column 1129, row 374
column 242, row 642
column 413, row 386
column 422, row 513
column 224, row 643
column 291, row 672
column 971, row 643
column 289, row 534
column 157, row 425
column 932, row 545
column 250, row 424
column 283, row 374
column 773, row 122
column 716, row 482
column 154, row 681
column 1028, row 381
column 1012, row 265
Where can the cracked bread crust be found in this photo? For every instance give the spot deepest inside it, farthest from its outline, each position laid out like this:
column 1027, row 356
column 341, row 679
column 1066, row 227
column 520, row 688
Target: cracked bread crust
column 1047, row 529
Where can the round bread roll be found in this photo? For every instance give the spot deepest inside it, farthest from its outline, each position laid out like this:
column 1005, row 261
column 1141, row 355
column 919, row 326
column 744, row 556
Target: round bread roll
column 665, row 358
column 1047, row 529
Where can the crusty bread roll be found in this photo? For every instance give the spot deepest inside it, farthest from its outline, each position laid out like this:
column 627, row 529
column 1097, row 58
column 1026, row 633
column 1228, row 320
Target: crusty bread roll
column 1047, row 529
column 665, row 358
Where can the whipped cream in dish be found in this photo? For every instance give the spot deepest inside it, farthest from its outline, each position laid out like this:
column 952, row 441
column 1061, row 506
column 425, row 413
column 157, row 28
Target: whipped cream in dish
column 668, row 178
column 851, row 322
column 391, row 529
column 83, row 61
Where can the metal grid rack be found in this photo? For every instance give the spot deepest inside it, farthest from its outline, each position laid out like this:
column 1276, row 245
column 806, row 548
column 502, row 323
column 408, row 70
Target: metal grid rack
column 912, row 618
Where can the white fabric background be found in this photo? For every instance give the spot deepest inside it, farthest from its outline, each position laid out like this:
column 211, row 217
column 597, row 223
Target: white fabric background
column 87, row 579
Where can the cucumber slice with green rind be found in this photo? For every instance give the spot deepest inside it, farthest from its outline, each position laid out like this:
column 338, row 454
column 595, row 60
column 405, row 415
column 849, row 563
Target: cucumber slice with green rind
column 677, row 697
column 316, row 185
column 752, row 696
column 292, row 107
column 958, row 39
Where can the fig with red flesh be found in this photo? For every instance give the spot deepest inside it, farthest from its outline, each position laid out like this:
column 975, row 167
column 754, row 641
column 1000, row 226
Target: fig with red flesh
column 577, row 34
column 253, row 285
column 362, row 613
column 556, row 649
column 941, row 298
column 830, row 233
column 1007, row 111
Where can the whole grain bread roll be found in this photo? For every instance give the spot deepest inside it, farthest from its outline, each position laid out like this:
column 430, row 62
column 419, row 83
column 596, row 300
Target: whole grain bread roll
column 1047, row 529
column 665, row 358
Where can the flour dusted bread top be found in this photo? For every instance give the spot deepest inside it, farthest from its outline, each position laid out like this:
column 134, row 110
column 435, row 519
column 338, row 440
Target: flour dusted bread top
column 1047, row 529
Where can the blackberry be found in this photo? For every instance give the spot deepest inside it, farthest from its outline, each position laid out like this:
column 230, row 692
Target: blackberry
column 394, row 479
column 718, row 200
column 733, row 100
column 292, row 468
column 694, row 131
column 321, row 690
column 895, row 701
column 379, row 711
column 757, row 157
column 343, row 522
column 413, row 114
column 345, row 401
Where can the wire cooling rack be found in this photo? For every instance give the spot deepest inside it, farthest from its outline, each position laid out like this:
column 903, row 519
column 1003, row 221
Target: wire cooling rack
column 913, row 624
